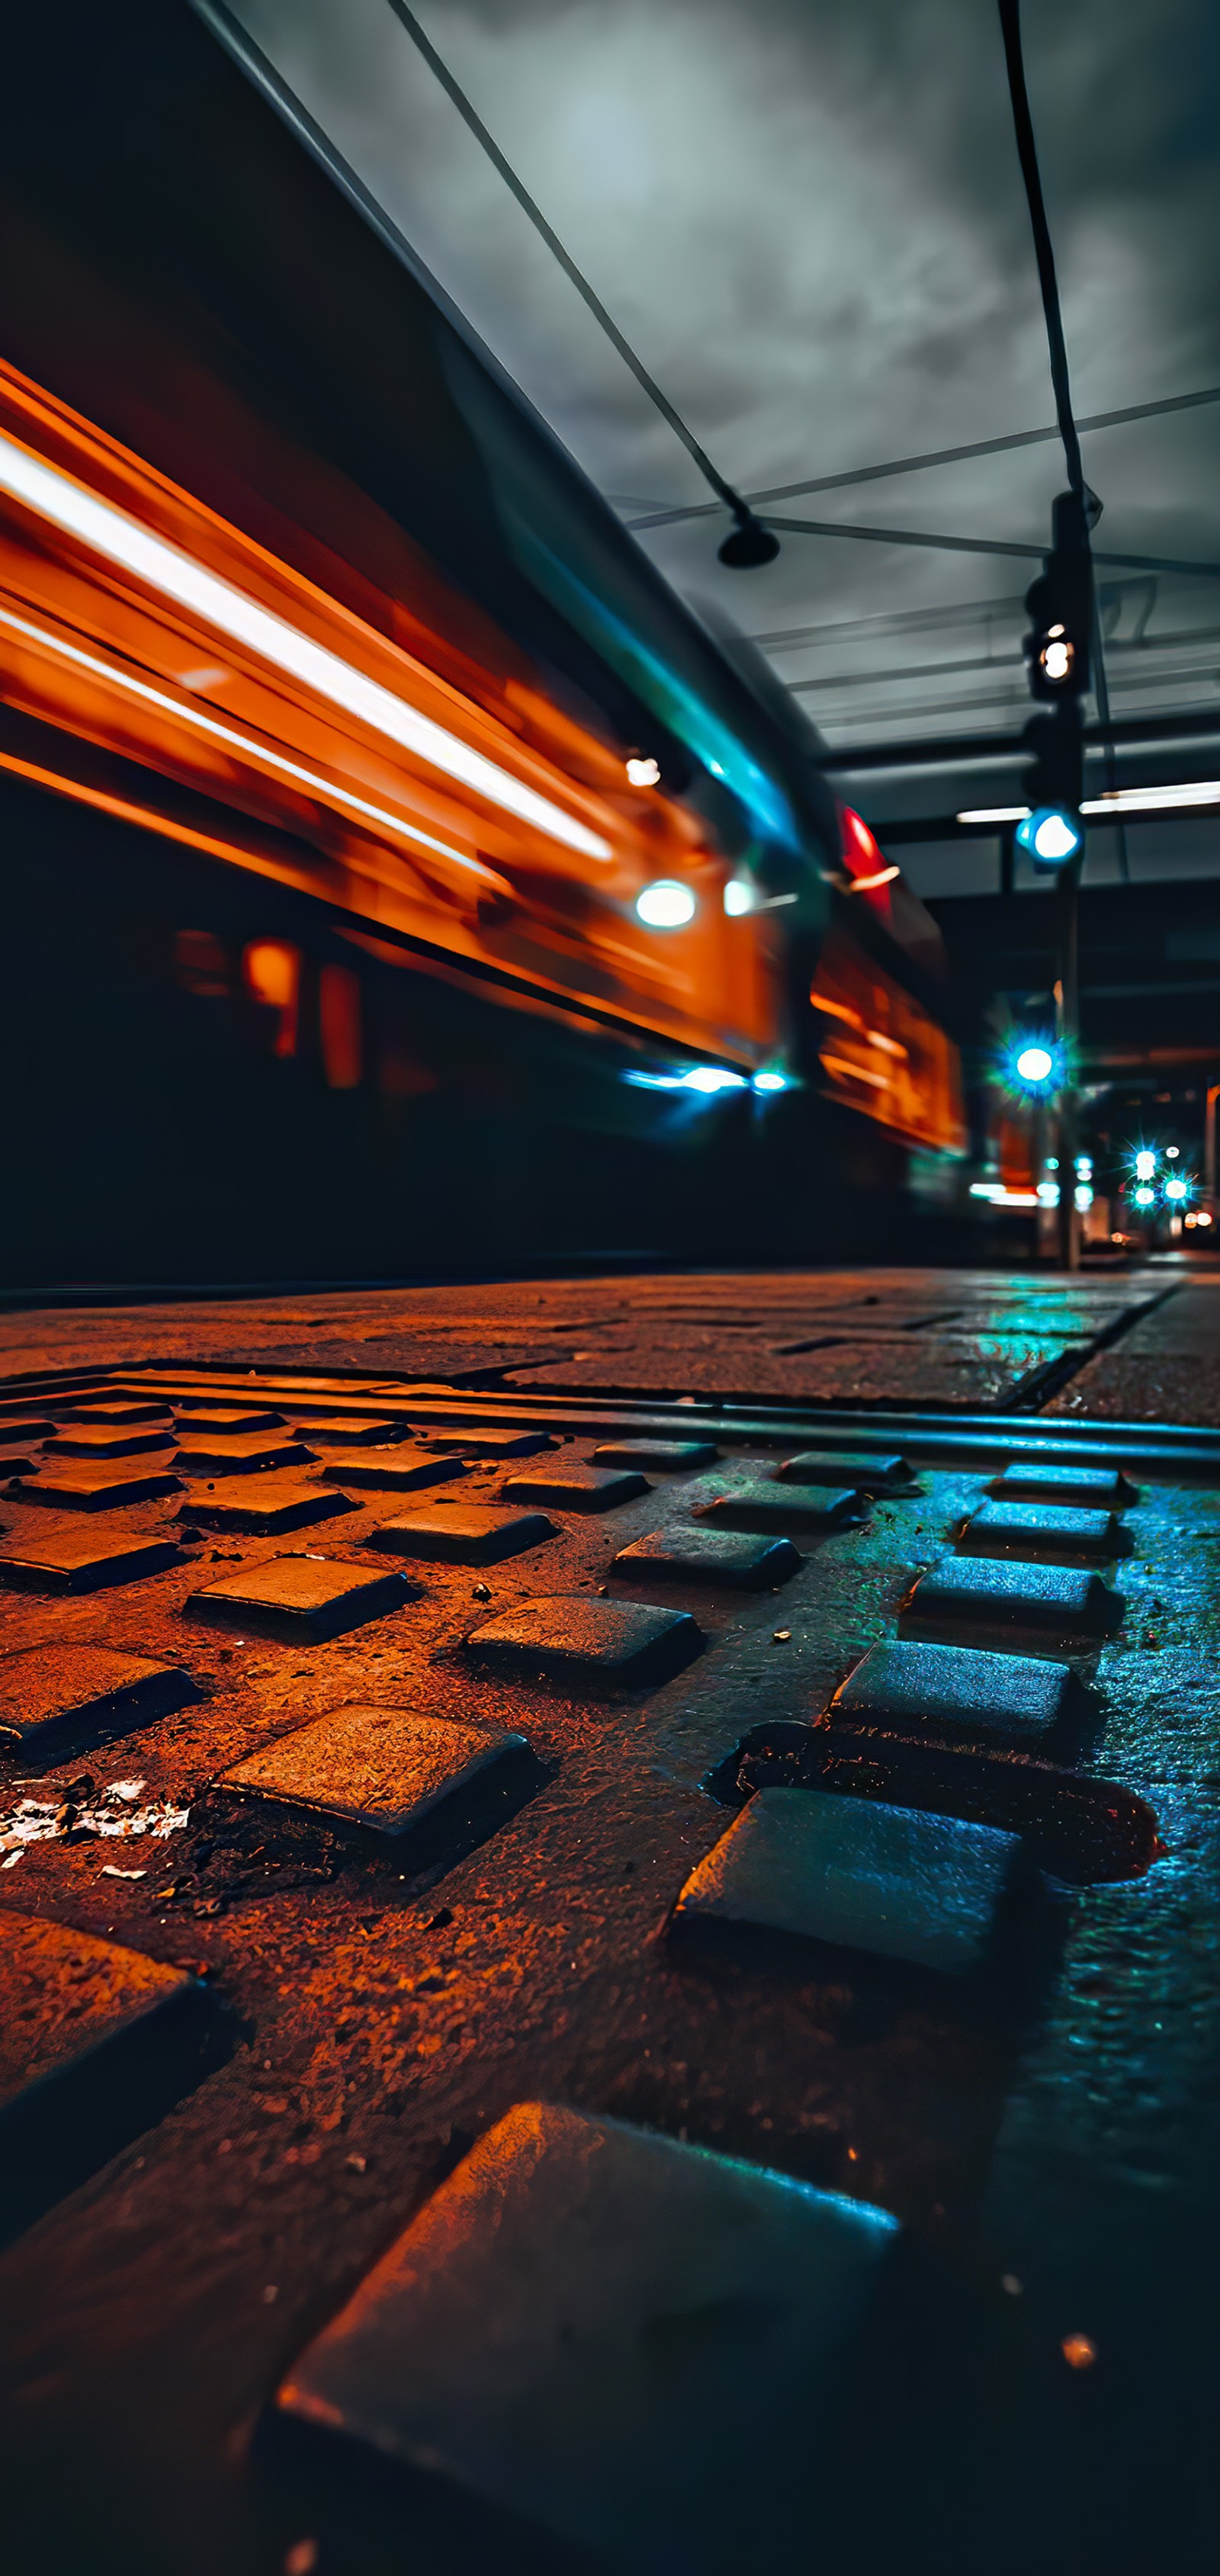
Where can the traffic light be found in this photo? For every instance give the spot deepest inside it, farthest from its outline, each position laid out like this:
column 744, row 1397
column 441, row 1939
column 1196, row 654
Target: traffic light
column 1052, row 831
column 1060, row 608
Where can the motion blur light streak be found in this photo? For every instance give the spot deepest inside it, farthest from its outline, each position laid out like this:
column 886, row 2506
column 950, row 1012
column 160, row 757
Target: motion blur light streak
column 706, row 1078
column 1114, row 800
column 866, row 885
column 666, row 905
column 259, row 752
column 176, row 576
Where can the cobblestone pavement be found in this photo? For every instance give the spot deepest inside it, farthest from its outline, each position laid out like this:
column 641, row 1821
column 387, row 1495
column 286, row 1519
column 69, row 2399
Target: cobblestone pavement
column 819, row 1825
column 955, row 1338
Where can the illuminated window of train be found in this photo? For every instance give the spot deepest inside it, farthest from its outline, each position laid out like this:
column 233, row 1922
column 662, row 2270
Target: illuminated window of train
column 339, row 1026
column 272, row 969
column 201, row 965
column 884, row 1055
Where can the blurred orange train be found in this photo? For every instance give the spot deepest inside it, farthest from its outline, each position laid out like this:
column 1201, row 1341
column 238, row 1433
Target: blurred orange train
column 399, row 873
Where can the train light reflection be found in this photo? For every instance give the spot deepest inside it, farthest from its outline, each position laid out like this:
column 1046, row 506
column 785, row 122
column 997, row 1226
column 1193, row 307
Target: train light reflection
column 272, row 969
column 339, row 1027
column 123, row 541
column 666, row 905
column 738, row 897
column 705, row 1078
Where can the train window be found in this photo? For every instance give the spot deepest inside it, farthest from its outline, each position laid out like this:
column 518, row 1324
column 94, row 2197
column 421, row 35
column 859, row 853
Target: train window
column 201, row 965
column 884, row 1055
column 339, row 1026
column 272, row 969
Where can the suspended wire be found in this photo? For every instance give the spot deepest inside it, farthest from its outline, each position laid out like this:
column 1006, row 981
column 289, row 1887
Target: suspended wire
column 977, row 545
column 469, row 114
column 1133, row 679
column 658, row 518
column 1044, row 254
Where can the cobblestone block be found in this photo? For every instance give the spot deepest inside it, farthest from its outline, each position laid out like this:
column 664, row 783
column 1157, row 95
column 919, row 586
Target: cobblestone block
column 56, row 1698
column 105, row 1440
column 391, row 1471
column 81, row 1485
column 387, row 1773
column 735, row 1557
column 576, row 1488
column 1043, row 1534
column 1030, row 1609
column 784, row 1507
column 243, row 1454
column 310, row 1598
column 592, row 1644
column 664, row 1457
column 462, row 1533
column 115, row 1411
column 1095, row 1488
column 489, row 1443
column 262, row 1505
column 62, row 1562
column 905, row 1686
column 893, row 1880
column 864, row 1471
column 585, row 2318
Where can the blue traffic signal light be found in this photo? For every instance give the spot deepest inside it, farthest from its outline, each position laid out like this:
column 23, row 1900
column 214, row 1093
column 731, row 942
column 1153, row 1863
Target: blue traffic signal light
column 1052, row 834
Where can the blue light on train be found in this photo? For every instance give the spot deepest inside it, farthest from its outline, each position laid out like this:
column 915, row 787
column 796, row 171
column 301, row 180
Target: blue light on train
column 770, row 1082
column 705, row 1078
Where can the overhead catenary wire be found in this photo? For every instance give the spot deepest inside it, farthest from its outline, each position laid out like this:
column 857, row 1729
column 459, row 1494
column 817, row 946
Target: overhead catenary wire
column 664, row 518
column 725, row 492
column 1027, row 548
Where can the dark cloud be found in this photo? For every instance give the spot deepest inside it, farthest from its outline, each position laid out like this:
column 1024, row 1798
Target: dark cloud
column 807, row 216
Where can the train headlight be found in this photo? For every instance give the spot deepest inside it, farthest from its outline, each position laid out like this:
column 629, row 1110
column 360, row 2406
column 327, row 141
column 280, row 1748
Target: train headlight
column 667, row 905
column 738, row 897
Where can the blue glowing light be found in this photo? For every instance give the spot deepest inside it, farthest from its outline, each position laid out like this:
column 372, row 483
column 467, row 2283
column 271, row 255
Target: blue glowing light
column 1051, row 835
column 1033, row 1064
column 702, row 1078
column 770, row 1082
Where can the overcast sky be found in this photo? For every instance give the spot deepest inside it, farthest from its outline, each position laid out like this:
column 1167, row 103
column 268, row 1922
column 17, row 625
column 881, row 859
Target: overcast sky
column 807, row 216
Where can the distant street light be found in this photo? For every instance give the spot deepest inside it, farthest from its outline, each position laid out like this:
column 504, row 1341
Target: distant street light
column 1035, row 1066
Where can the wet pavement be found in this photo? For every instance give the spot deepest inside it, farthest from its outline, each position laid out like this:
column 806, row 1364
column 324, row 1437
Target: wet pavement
column 460, row 1893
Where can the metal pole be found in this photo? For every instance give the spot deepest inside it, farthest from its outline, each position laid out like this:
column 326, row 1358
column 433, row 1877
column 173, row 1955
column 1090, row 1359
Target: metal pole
column 1209, row 1147
column 1068, row 1000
